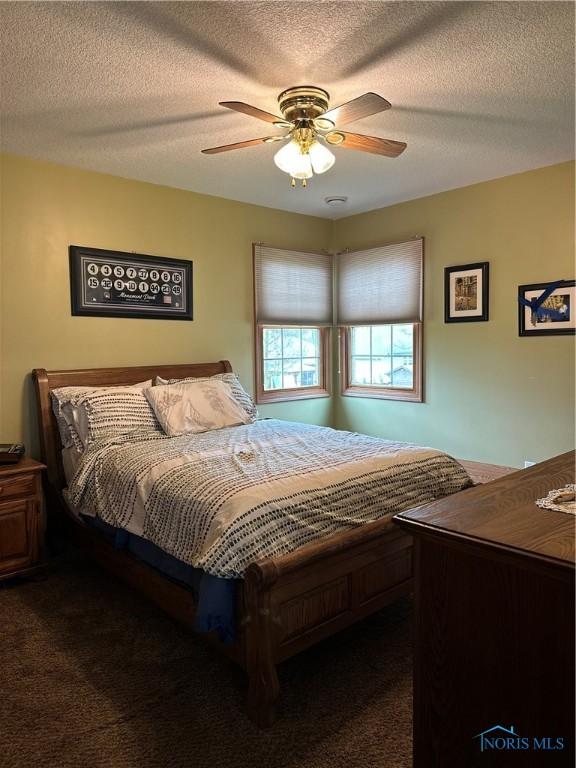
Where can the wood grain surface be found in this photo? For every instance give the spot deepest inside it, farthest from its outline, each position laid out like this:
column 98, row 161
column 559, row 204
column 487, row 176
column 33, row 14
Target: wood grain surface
column 494, row 625
column 504, row 512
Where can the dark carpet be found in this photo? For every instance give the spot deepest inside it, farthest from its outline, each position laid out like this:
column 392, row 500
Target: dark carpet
column 92, row 675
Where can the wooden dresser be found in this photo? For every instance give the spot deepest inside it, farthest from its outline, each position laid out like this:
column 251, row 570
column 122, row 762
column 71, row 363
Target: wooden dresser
column 20, row 517
column 494, row 630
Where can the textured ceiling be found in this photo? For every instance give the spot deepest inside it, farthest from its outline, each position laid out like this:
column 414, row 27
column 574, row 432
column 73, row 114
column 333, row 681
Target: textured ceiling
column 478, row 90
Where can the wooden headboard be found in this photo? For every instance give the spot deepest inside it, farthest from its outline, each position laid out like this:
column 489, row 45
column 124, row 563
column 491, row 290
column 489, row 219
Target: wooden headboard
column 45, row 381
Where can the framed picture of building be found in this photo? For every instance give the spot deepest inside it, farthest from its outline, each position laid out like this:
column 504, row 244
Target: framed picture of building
column 547, row 309
column 466, row 293
column 118, row 284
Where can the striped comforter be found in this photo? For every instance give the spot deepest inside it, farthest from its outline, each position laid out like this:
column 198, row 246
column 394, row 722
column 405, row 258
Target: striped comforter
column 223, row 499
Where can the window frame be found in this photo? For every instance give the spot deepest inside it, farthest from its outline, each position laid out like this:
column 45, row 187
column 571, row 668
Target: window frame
column 347, row 389
column 322, row 389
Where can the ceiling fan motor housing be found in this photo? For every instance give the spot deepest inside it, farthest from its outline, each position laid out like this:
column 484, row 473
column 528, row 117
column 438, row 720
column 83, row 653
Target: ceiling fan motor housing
column 304, row 102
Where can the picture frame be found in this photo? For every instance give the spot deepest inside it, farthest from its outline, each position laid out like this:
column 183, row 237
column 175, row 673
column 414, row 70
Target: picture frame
column 107, row 283
column 466, row 293
column 555, row 315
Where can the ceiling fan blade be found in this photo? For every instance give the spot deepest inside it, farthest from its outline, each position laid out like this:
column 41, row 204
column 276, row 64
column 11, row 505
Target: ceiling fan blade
column 373, row 144
column 241, row 145
column 363, row 106
column 247, row 109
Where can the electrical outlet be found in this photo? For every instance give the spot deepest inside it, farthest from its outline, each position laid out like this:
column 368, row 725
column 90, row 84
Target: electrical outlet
column 529, row 464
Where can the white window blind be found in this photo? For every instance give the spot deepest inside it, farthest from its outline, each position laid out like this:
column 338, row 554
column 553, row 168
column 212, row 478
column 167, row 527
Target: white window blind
column 292, row 287
column 381, row 285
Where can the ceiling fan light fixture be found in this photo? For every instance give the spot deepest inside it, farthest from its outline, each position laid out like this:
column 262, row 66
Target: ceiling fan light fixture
column 321, row 158
column 290, row 159
column 302, row 169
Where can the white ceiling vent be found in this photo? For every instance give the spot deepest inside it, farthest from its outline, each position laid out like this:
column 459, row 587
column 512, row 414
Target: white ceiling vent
column 336, row 201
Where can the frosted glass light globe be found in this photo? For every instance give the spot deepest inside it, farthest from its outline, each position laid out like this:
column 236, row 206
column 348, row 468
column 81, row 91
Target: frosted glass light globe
column 321, row 158
column 302, row 168
column 290, row 160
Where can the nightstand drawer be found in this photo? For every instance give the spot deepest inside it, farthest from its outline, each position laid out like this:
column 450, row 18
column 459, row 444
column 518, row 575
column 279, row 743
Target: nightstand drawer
column 17, row 487
column 14, row 538
column 21, row 519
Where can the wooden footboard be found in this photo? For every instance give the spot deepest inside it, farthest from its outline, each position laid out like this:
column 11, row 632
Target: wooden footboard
column 285, row 604
column 294, row 601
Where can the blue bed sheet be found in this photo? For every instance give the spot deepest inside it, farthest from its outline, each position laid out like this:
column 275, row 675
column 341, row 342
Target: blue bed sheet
column 215, row 597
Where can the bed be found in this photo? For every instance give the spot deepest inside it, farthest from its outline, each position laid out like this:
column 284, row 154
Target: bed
column 285, row 601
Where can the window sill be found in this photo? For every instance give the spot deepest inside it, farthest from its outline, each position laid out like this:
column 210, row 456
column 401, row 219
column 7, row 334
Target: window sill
column 285, row 395
column 379, row 393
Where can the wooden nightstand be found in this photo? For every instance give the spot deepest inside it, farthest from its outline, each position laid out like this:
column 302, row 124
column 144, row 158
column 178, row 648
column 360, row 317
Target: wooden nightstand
column 21, row 529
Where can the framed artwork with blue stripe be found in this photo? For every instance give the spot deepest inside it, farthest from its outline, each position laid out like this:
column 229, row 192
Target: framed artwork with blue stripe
column 547, row 309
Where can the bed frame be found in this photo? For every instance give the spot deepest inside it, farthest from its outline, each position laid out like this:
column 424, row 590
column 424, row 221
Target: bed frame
column 285, row 604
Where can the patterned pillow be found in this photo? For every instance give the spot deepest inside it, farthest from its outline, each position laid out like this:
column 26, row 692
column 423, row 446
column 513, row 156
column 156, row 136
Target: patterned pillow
column 64, row 405
column 238, row 392
column 111, row 412
column 196, row 406
column 68, row 435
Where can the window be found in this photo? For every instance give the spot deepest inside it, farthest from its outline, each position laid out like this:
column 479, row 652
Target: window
column 380, row 302
column 292, row 358
column 382, row 355
column 293, row 313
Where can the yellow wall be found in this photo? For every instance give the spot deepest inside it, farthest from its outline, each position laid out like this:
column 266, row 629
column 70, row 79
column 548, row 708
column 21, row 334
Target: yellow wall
column 490, row 395
column 47, row 207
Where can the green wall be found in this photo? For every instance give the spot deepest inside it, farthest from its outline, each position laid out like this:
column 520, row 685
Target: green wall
column 489, row 394
column 46, row 207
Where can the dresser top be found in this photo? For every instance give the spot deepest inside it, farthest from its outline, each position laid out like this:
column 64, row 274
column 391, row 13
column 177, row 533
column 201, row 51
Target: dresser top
column 24, row 465
column 503, row 513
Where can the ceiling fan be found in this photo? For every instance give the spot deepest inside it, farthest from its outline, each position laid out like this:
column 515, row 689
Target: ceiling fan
column 310, row 125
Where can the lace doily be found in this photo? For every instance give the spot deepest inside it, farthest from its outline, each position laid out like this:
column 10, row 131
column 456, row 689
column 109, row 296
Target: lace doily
column 560, row 500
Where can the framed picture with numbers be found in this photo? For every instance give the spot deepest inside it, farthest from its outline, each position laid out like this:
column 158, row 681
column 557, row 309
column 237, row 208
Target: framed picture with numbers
column 117, row 284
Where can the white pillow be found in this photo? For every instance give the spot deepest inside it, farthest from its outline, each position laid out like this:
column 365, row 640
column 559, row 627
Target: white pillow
column 238, row 392
column 195, row 406
column 71, row 418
